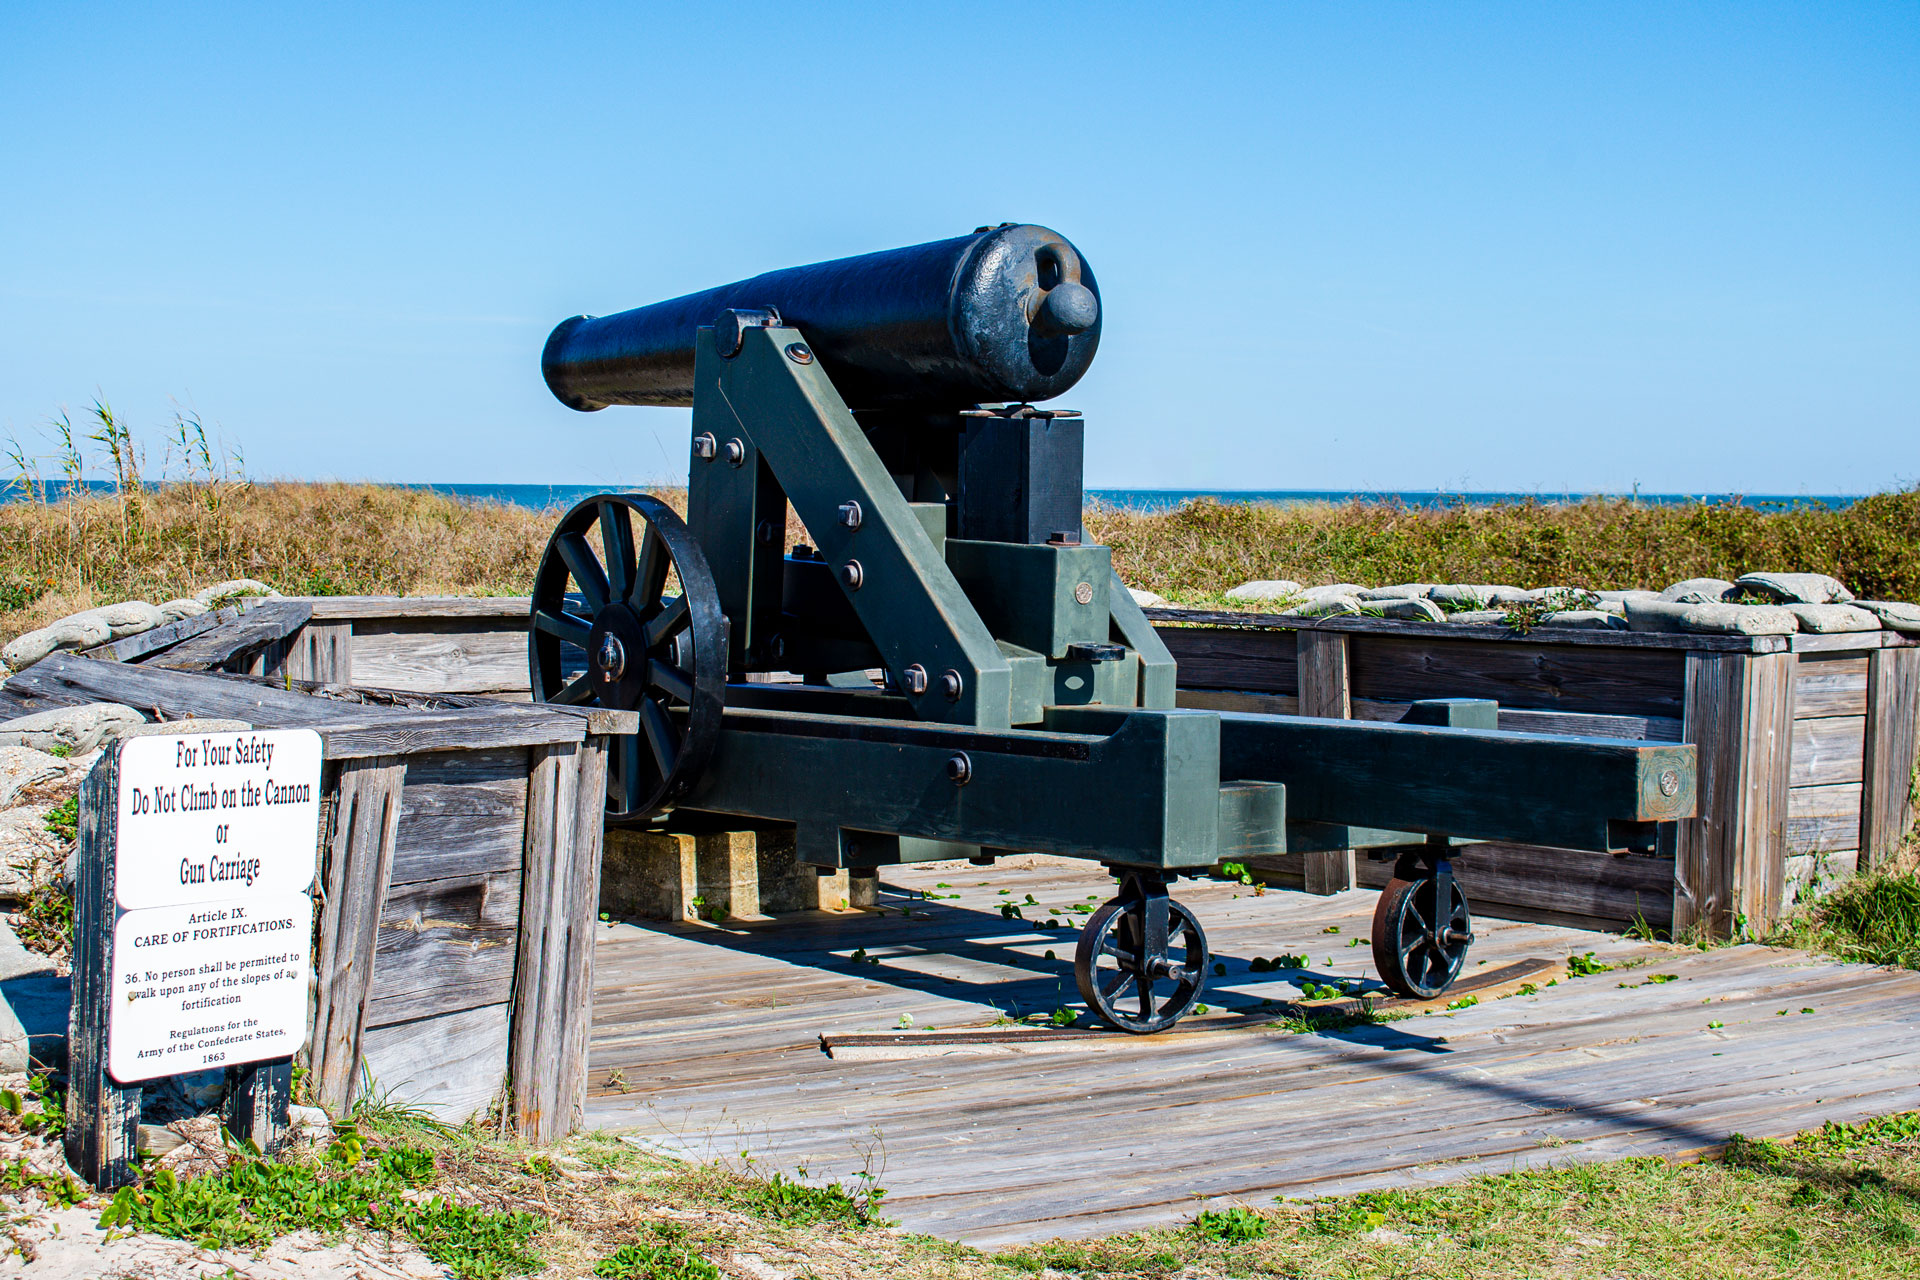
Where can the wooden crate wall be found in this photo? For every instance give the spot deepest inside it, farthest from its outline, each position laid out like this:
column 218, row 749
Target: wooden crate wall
column 442, row 986
column 1827, row 769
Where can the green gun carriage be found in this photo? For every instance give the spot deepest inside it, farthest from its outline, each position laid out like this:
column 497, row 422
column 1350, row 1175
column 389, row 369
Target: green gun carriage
column 947, row 669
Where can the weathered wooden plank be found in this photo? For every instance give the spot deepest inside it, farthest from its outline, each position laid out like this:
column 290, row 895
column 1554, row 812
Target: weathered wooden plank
column 134, row 647
column 540, row 983
column 259, row 1103
column 1524, row 675
column 175, row 695
column 442, row 655
column 1326, row 693
column 1219, row 658
column 1830, row 685
column 583, row 910
column 730, row 1055
column 1823, row 818
column 331, row 608
column 1730, row 858
column 462, row 813
column 1496, row 634
column 560, row 897
column 1891, row 746
column 1843, row 641
column 229, row 647
column 1706, row 848
column 1586, row 725
column 445, row 945
column 103, row 1116
column 1556, row 886
column 366, row 818
column 349, row 730
column 1829, row 749
column 453, row 1066
column 1768, row 765
column 320, row 652
column 459, row 730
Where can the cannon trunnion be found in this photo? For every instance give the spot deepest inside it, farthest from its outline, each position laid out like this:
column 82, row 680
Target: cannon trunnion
column 946, row 669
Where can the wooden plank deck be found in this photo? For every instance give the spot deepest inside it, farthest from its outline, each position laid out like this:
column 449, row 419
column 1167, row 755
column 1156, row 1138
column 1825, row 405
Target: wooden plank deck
column 715, row 1035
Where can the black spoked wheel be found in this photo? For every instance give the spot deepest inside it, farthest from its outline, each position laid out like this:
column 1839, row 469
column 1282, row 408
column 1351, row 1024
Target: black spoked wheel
column 606, row 633
column 1141, row 963
column 1419, row 946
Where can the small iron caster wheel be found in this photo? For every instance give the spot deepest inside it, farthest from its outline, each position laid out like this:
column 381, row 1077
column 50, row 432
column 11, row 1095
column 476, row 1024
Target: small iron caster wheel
column 1142, row 960
column 1419, row 947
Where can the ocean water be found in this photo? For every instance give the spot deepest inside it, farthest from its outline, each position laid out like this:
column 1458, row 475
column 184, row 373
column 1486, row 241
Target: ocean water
column 544, row 497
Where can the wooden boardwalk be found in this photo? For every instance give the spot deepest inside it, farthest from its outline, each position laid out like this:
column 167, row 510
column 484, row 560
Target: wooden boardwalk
column 706, row 1043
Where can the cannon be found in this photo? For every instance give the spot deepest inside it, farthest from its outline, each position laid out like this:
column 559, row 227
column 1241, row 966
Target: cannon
column 947, row 668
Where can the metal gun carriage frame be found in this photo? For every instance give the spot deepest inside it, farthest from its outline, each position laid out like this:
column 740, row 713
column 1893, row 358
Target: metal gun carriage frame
column 1026, row 704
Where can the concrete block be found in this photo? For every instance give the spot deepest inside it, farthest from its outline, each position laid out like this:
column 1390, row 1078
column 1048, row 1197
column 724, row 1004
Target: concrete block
column 1586, row 620
column 661, row 875
column 1894, row 615
column 1826, row 619
column 1266, row 589
column 647, row 875
column 1796, row 588
column 1407, row 609
column 78, row 729
column 1699, row 591
column 1710, row 619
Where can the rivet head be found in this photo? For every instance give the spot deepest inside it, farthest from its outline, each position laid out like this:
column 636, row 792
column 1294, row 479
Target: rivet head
column 799, row 353
column 952, row 685
column 1083, row 592
column 1670, row 782
column 736, row 452
column 612, row 657
column 852, row 574
column 959, row 769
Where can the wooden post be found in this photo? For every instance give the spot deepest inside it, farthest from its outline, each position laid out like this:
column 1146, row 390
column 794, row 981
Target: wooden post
column 559, row 900
column 1893, row 738
column 1730, row 860
column 103, row 1118
column 1325, row 691
column 366, row 817
column 320, row 651
column 259, row 1096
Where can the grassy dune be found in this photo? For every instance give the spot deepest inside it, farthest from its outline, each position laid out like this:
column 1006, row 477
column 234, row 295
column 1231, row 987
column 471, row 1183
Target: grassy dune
column 1206, row 548
column 331, row 539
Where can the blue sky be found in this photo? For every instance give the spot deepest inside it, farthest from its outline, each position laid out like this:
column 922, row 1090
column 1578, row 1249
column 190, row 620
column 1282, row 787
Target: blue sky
column 1494, row 246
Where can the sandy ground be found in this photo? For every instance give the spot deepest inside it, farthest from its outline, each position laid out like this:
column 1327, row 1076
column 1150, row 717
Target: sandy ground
column 50, row 1243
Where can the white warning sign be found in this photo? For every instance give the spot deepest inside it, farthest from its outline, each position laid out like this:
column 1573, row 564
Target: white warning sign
column 215, row 844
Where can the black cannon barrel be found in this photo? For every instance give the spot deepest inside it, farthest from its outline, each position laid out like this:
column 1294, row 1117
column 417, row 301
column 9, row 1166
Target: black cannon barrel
column 1010, row 313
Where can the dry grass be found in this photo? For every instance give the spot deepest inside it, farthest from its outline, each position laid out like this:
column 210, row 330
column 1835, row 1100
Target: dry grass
column 349, row 539
column 304, row 539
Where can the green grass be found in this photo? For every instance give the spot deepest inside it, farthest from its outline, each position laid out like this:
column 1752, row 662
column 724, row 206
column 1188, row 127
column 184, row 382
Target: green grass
column 1872, row 919
column 648, row 1261
column 1839, row 1202
column 254, row 1201
column 1201, row 550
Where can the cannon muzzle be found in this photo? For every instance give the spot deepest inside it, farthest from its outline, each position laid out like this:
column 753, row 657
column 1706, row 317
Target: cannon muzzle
column 1010, row 313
